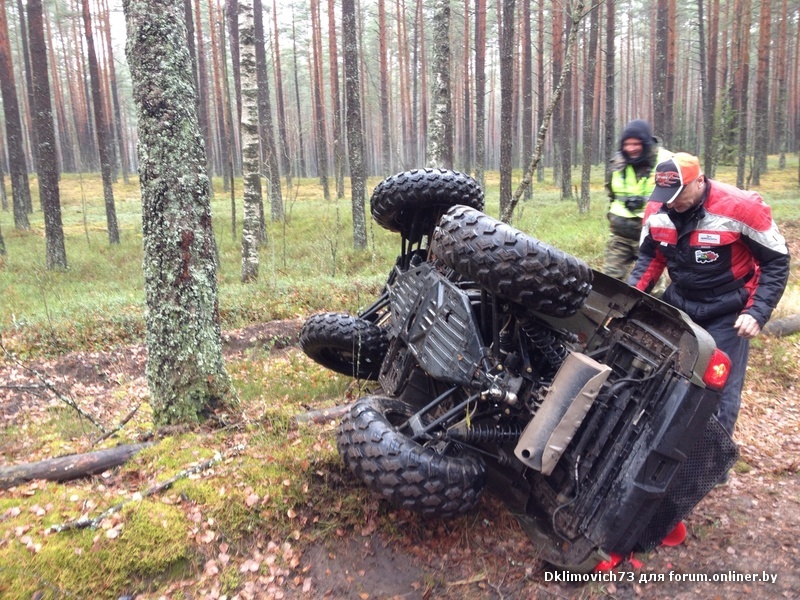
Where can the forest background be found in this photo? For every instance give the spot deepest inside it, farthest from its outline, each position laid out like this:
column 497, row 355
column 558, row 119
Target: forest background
column 720, row 79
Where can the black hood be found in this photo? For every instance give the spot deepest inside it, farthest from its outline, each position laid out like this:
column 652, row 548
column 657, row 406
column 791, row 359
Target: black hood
column 641, row 131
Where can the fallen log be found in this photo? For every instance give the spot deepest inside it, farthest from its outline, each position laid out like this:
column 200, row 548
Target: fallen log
column 783, row 327
column 69, row 467
column 323, row 415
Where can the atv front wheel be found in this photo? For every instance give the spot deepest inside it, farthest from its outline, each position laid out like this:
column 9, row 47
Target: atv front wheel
column 345, row 344
column 409, row 475
column 412, row 202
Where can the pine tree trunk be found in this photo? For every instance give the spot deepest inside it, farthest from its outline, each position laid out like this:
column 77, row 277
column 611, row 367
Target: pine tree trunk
column 266, row 133
column 279, row 100
column 480, row 91
column 185, row 369
column 610, row 134
column 101, row 129
column 565, row 134
column 584, row 203
column 527, row 89
column 202, row 92
column 355, row 132
column 18, row 170
column 506, row 94
column 24, row 30
column 49, row 195
column 223, row 131
column 251, row 158
column 301, row 150
column 761, row 134
column 112, row 84
column 319, row 104
column 541, row 82
column 781, row 131
column 336, row 103
column 386, row 149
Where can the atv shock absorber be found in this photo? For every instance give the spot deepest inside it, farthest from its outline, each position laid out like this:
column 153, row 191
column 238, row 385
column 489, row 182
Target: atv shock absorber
column 484, row 433
column 544, row 339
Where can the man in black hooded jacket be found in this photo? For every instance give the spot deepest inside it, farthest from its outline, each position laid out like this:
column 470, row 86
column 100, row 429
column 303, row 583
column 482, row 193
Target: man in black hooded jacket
column 630, row 182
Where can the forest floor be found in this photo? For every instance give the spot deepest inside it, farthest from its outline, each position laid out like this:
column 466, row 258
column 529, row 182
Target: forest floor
column 746, row 531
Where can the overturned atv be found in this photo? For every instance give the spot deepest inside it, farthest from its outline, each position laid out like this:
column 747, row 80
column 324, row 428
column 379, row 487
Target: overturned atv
column 586, row 405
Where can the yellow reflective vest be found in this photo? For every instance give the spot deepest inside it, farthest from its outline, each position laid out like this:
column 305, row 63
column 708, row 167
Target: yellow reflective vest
column 630, row 185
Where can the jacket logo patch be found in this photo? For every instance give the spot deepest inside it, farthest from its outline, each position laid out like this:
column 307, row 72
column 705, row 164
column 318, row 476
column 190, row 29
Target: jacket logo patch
column 708, row 238
column 705, row 256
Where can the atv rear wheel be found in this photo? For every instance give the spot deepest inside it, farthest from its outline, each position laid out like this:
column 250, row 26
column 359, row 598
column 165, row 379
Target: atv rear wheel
column 404, row 472
column 345, row 344
column 507, row 262
column 412, row 202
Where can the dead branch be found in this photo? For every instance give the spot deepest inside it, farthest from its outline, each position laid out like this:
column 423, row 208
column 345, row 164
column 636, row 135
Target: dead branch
column 51, row 387
column 577, row 14
column 323, row 415
column 69, row 467
column 121, row 424
column 85, row 523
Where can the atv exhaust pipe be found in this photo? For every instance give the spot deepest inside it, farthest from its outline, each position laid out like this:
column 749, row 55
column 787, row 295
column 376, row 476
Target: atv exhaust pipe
column 568, row 399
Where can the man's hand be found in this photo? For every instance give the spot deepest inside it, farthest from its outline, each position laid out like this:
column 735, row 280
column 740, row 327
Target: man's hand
column 746, row 326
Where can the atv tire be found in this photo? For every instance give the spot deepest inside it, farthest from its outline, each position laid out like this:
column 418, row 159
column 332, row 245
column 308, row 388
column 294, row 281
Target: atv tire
column 407, row 474
column 412, row 202
column 345, row 344
column 511, row 264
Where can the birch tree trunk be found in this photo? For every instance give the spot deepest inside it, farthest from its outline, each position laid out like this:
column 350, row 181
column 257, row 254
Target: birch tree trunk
column 584, row 203
column 440, row 122
column 251, row 157
column 185, row 369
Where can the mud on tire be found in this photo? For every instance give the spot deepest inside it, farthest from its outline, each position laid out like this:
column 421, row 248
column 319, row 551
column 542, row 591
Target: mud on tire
column 402, row 471
column 411, row 202
column 507, row 262
column 345, row 344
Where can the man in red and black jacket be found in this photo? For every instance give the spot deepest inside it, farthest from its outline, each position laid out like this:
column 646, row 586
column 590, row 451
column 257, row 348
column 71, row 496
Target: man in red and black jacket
column 728, row 263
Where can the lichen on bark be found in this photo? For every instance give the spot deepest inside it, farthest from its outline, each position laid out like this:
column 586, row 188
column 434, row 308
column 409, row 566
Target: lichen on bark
column 185, row 368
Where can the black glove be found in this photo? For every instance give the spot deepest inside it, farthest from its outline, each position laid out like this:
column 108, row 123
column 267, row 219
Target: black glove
column 634, row 203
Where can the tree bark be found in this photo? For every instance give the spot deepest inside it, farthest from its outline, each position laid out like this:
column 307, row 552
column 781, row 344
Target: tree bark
column 506, row 94
column 266, row 132
column 386, row 139
column 251, row 157
column 610, row 134
column 185, row 369
column 761, row 133
column 355, row 132
column 112, row 84
column 527, row 88
column 279, row 101
column 319, row 104
column 18, row 170
column 336, row 103
column 49, row 195
column 440, row 122
column 101, row 129
column 584, row 203
column 480, row 91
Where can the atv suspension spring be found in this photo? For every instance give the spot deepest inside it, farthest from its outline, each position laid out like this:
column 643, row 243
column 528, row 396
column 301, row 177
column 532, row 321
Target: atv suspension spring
column 488, row 434
column 546, row 341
